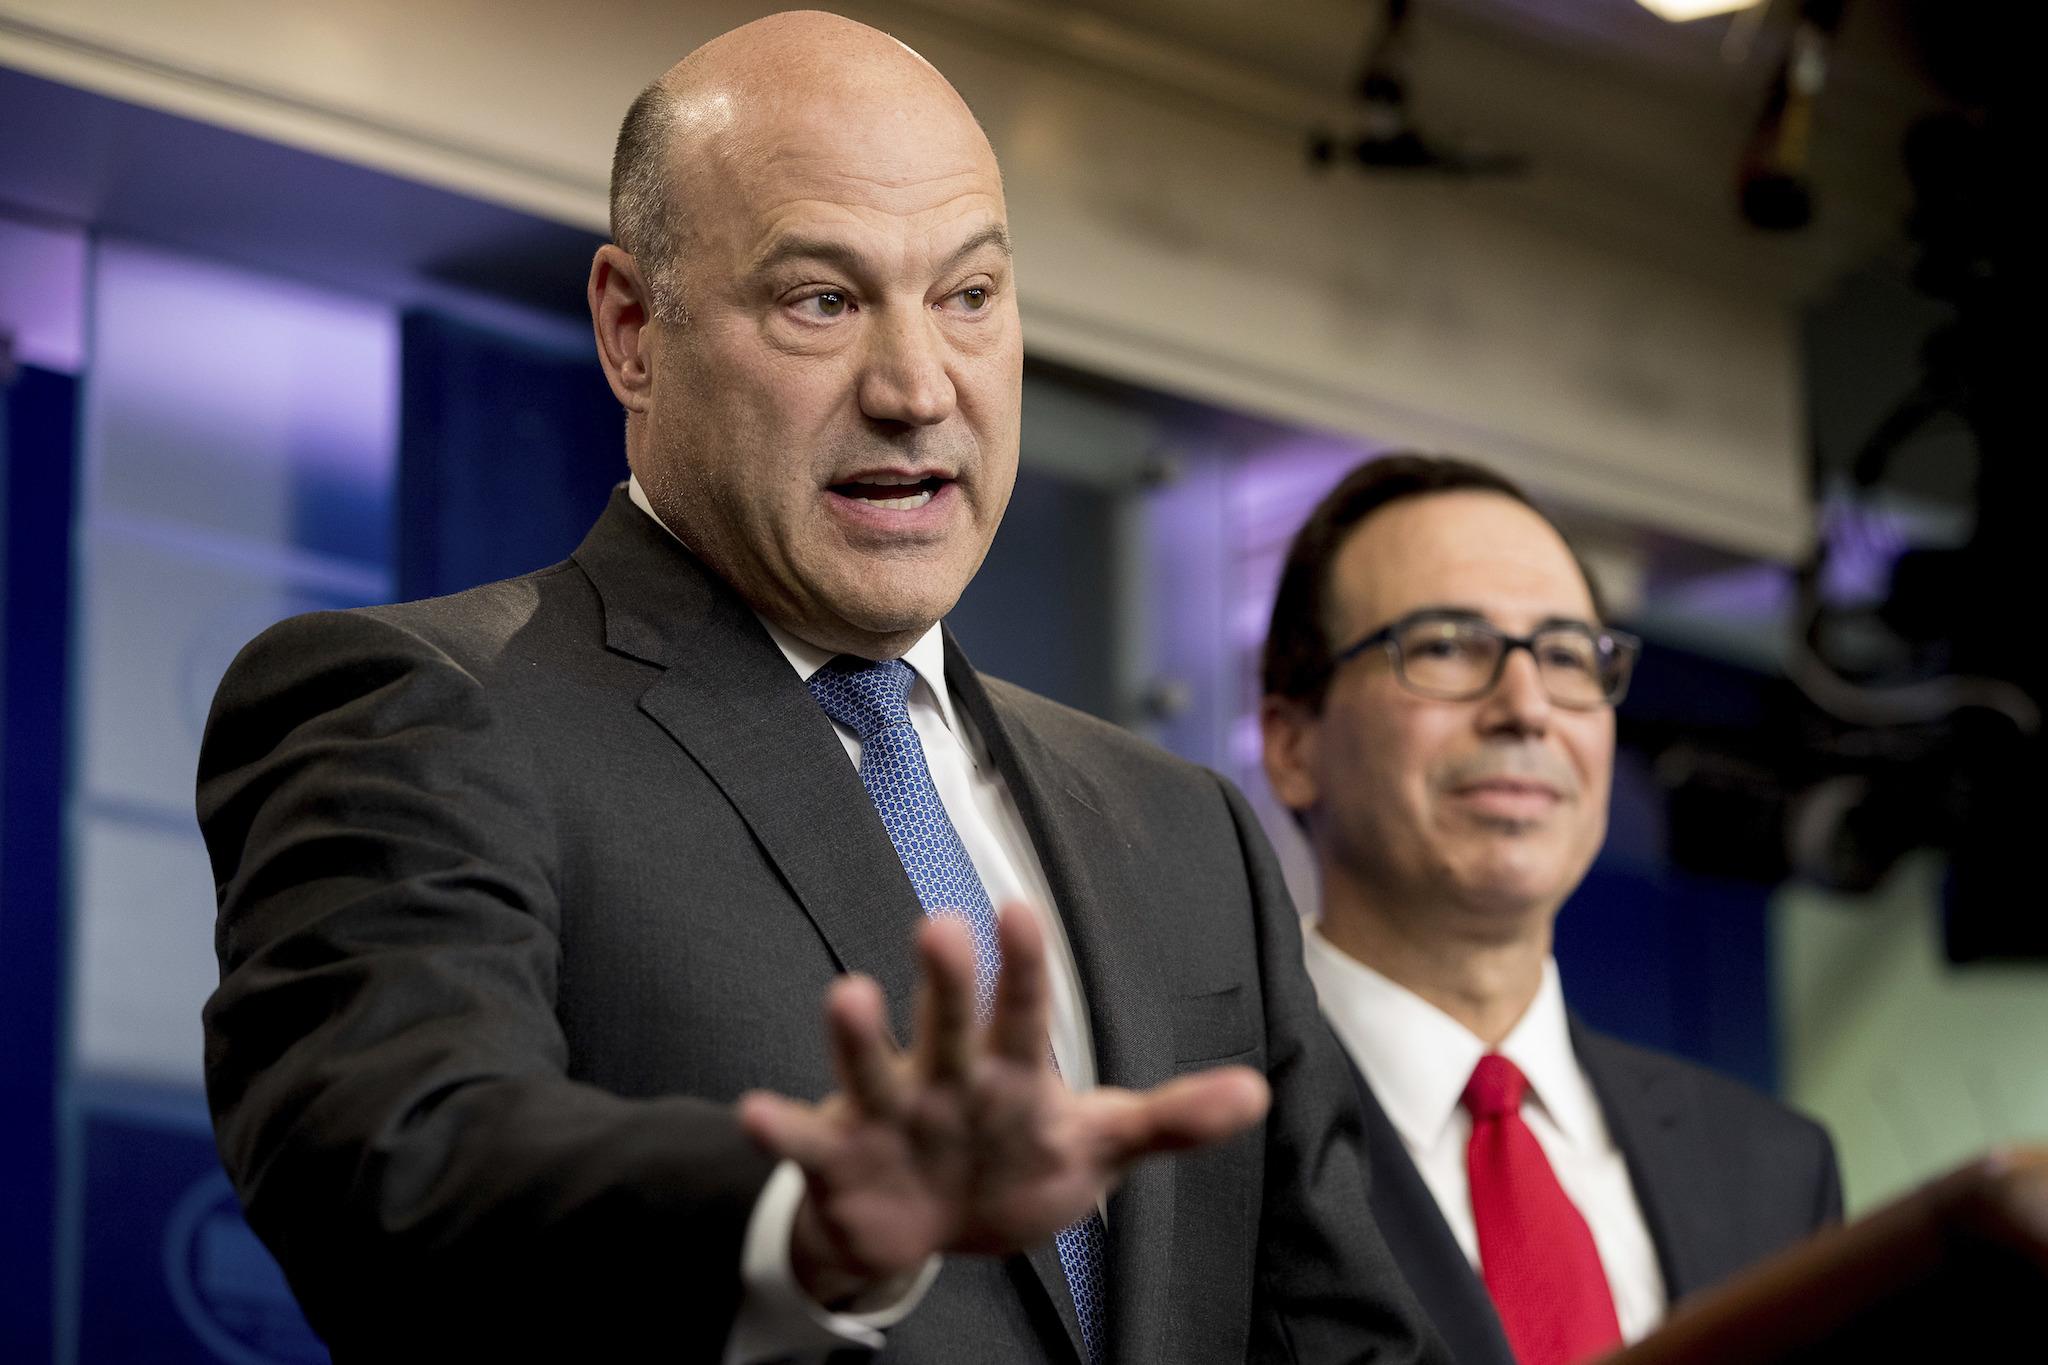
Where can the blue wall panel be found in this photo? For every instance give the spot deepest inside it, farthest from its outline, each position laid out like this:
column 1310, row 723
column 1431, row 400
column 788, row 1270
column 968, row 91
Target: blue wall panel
column 38, row 456
column 1675, row 962
column 237, row 444
column 173, row 1272
column 508, row 449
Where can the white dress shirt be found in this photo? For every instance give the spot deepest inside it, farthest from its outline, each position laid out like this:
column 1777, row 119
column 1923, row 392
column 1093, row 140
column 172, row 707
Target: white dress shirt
column 1417, row 1060
column 776, row 1318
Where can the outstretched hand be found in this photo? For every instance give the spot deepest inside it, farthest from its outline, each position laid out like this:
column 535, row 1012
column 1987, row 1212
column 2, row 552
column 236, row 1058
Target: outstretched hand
column 968, row 1141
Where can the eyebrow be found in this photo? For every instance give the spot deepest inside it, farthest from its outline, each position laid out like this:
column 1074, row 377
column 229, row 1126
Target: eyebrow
column 797, row 247
column 1456, row 613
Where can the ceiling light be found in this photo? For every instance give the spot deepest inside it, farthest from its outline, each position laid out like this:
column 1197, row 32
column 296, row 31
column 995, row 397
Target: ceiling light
column 1678, row 11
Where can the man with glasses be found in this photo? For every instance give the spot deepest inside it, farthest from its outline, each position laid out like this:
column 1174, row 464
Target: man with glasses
column 1439, row 715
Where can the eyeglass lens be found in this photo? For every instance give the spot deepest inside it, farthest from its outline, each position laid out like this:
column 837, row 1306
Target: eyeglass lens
column 1462, row 659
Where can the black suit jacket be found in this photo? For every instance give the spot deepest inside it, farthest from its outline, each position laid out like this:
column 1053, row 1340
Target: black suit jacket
column 521, row 888
column 1724, row 1176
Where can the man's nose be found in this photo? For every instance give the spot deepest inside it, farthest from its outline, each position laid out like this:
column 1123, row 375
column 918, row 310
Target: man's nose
column 905, row 378
column 1518, row 702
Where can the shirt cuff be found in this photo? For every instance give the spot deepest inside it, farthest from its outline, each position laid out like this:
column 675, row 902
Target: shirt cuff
column 777, row 1319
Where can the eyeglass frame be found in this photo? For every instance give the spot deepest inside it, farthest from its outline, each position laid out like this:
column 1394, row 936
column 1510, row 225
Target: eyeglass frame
column 1388, row 635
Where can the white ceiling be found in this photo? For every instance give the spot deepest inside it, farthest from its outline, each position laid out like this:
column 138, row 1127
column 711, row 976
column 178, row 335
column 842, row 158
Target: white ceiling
column 1633, row 126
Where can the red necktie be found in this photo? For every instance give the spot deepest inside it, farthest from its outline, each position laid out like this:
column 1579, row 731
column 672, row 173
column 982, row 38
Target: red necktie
column 1535, row 1252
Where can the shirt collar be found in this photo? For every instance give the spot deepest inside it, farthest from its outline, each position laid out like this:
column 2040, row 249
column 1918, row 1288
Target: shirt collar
column 1417, row 1058
column 1541, row 1045
column 927, row 658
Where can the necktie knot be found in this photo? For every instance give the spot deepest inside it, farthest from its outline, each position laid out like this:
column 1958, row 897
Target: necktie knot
column 1496, row 1088
column 867, row 697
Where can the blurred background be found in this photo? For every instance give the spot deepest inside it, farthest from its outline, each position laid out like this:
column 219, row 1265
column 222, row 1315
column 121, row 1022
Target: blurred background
column 291, row 317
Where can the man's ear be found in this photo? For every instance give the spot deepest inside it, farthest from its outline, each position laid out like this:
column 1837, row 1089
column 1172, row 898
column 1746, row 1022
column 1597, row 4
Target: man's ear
column 620, row 313
column 1291, row 730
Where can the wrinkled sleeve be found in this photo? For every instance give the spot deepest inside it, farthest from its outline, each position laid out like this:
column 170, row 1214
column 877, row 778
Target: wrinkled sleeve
column 387, row 1075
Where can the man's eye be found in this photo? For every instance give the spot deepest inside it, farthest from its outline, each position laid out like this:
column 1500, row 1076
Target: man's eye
column 830, row 304
column 1576, row 656
column 1438, row 646
column 974, row 298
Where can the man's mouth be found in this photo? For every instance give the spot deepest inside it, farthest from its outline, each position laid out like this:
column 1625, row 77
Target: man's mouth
column 1508, row 799
column 1508, row 786
column 892, row 492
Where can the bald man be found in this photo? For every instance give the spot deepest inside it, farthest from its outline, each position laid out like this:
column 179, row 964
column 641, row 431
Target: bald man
column 530, row 896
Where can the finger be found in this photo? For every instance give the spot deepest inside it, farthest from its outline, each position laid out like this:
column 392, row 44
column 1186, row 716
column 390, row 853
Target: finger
column 945, row 1001
column 864, row 1056
column 1188, row 1111
column 785, row 1128
column 1024, row 989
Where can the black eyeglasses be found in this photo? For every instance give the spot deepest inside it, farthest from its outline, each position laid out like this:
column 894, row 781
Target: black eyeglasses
column 1455, row 657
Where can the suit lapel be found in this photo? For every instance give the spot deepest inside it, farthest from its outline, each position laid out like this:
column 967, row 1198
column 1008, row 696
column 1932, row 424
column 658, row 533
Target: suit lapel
column 1647, row 1113
column 1427, row 1251
column 730, row 699
column 1091, row 872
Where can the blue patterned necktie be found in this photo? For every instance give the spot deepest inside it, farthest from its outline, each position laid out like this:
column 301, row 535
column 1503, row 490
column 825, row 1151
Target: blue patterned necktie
column 872, row 700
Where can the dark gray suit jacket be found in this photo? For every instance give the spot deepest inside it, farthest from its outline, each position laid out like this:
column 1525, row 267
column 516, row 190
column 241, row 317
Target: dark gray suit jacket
column 521, row 888
column 1724, row 1175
